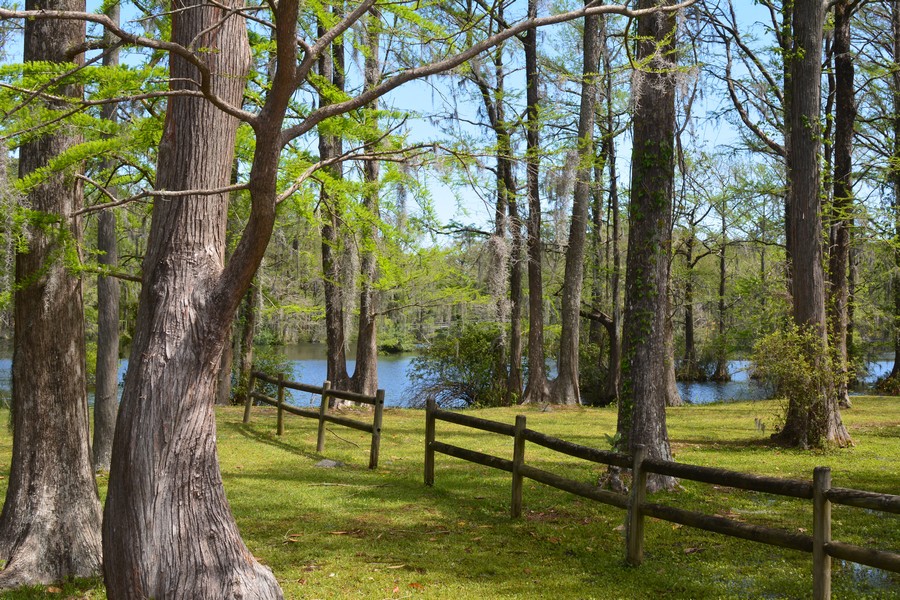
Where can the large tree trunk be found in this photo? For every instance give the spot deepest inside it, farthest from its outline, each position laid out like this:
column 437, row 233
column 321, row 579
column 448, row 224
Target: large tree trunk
column 106, row 395
column 50, row 525
column 842, row 203
column 168, row 531
column 805, row 425
column 565, row 388
column 365, row 374
column 536, row 390
column 642, row 411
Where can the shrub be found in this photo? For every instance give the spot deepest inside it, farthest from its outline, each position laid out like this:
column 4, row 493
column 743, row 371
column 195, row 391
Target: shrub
column 458, row 368
column 802, row 370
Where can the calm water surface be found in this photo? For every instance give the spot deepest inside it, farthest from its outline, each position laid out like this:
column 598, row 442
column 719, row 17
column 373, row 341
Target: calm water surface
column 308, row 366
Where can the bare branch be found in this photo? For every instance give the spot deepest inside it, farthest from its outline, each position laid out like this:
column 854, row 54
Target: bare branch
column 451, row 62
column 148, row 194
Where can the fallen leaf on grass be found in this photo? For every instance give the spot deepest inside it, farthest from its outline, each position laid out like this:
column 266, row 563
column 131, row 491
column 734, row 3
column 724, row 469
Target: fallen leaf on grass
column 396, row 590
column 54, row 590
column 395, row 566
column 692, row 550
column 417, row 586
column 301, row 581
column 619, row 528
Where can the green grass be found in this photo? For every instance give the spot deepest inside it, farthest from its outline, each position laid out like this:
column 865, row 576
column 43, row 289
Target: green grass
column 354, row 533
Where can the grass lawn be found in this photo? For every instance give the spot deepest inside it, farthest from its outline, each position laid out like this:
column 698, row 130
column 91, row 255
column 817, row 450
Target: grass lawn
column 349, row 532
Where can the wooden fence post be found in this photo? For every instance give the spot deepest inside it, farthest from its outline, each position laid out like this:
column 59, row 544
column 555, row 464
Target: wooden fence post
column 376, row 429
column 249, row 401
column 634, row 526
column 323, row 407
column 518, row 461
column 430, row 407
column 280, row 429
column 821, row 533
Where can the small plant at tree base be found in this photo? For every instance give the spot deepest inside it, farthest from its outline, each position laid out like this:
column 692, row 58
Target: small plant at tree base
column 801, row 370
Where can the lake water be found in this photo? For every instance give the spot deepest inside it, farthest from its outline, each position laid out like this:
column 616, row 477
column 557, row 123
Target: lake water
column 308, row 366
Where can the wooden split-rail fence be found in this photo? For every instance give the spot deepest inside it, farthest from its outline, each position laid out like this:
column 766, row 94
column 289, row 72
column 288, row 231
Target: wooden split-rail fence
column 819, row 490
column 325, row 391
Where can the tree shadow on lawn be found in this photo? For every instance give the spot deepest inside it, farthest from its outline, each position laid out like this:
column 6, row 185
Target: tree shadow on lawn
column 270, row 439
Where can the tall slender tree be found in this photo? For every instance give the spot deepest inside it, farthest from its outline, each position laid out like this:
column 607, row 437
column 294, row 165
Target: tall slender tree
column 642, row 411
column 365, row 373
column 536, row 389
column 331, row 72
column 565, row 388
column 807, row 424
column 106, row 395
column 841, row 217
column 50, row 525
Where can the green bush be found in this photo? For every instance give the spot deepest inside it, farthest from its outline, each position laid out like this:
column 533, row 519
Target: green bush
column 802, row 371
column 458, row 368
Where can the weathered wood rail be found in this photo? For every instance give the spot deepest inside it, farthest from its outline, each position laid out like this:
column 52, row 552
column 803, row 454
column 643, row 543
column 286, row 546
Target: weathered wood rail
column 325, row 391
column 819, row 490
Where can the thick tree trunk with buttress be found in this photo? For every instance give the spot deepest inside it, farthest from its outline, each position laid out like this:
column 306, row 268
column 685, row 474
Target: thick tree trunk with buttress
column 50, row 525
column 168, row 531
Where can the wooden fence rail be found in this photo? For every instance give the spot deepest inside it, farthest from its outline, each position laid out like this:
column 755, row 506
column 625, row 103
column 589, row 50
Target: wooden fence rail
column 321, row 415
column 819, row 490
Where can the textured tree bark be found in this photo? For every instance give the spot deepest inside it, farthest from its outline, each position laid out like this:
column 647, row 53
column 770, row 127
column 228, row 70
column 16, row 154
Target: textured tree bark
column 842, row 203
column 40, row 542
column 168, row 531
column 106, row 395
column 565, row 388
column 804, row 424
column 536, row 389
column 642, row 414
column 365, row 374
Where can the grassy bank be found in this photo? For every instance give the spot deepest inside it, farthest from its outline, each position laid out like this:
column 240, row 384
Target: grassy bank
column 351, row 533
